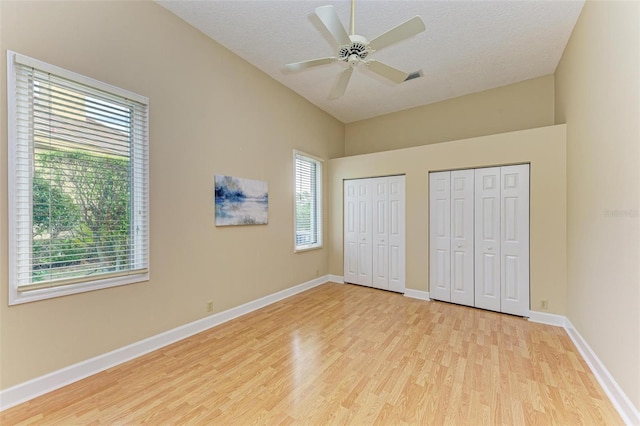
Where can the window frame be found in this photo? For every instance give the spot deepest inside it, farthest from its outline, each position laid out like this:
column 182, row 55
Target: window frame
column 319, row 204
column 140, row 163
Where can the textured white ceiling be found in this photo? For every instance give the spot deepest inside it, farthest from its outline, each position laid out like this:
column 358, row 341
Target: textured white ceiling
column 469, row 46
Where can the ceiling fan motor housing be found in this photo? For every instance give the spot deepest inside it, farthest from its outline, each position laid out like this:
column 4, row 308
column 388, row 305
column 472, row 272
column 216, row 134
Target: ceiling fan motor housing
column 356, row 51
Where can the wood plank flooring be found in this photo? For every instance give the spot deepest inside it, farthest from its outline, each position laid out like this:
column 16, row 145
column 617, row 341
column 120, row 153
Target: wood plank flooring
column 344, row 354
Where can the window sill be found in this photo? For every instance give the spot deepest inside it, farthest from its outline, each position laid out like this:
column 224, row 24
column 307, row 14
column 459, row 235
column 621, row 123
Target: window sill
column 17, row 297
column 302, row 249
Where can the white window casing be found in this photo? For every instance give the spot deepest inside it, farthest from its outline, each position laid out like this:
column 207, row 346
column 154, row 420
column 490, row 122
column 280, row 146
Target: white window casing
column 78, row 182
column 307, row 202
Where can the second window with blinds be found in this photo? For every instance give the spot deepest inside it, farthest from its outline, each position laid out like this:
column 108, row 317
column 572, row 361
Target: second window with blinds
column 307, row 201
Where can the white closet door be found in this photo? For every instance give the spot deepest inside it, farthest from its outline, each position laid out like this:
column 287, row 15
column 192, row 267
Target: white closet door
column 397, row 233
column 350, row 231
column 374, row 232
column 440, row 236
column 515, row 240
column 487, row 241
column 364, row 231
column 380, row 231
column 462, row 247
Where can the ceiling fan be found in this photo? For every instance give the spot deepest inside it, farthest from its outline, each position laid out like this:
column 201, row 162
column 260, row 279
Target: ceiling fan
column 354, row 49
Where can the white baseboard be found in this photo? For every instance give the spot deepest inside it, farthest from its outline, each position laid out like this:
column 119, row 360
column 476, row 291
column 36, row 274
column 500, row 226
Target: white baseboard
column 619, row 399
column 416, row 294
column 546, row 318
column 336, row 279
column 49, row 382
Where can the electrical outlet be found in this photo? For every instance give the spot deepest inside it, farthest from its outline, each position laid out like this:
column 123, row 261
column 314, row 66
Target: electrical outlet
column 210, row 306
column 544, row 304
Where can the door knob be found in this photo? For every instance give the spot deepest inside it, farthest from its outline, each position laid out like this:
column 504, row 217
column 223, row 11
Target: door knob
column 459, row 245
column 489, row 248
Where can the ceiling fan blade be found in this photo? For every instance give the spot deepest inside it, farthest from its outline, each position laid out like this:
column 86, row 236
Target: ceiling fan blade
column 403, row 31
column 387, row 71
column 329, row 18
column 297, row 66
column 341, row 85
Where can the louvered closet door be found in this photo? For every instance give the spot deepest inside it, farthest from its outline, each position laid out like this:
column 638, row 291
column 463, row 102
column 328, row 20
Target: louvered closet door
column 440, row 236
column 397, row 233
column 514, row 274
column 487, row 238
column 462, row 238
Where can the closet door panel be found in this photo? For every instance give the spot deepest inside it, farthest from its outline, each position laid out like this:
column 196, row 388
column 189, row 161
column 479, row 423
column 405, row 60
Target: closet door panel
column 487, row 238
column 396, row 233
column 364, row 231
column 380, row 217
column 350, row 232
column 462, row 238
column 440, row 236
column 515, row 240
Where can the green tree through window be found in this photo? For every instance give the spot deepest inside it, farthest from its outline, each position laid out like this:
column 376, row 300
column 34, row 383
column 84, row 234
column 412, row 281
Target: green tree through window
column 81, row 221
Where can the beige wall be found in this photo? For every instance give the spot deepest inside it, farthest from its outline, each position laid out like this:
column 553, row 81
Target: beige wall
column 598, row 96
column 206, row 118
column 544, row 148
column 211, row 113
column 519, row 106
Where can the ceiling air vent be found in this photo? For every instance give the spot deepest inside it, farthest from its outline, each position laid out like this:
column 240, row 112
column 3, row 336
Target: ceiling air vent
column 414, row 74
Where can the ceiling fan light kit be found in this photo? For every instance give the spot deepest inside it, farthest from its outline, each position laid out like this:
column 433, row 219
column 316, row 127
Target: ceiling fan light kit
column 354, row 49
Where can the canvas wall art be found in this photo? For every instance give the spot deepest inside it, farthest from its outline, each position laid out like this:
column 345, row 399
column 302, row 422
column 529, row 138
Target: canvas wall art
column 241, row 201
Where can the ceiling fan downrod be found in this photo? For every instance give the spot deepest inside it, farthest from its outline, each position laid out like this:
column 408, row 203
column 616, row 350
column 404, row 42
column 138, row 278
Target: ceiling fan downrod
column 353, row 17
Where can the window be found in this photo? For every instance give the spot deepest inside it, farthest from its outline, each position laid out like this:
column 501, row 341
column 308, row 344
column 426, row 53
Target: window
column 308, row 201
column 78, row 183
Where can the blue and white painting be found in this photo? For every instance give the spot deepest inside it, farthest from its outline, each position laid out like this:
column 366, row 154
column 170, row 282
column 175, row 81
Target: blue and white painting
column 241, row 201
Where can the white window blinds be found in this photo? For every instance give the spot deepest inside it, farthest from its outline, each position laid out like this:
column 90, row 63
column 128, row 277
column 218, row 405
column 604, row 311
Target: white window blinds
column 78, row 178
column 308, row 202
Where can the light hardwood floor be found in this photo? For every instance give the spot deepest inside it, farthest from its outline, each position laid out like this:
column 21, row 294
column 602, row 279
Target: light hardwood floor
column 344, row 354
